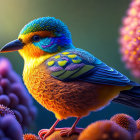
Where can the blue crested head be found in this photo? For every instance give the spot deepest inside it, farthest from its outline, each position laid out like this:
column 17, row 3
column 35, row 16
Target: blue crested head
column 47, row 24
column 47, row 33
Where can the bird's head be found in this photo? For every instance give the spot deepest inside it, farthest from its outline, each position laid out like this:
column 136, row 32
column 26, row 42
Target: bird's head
column 42, row 36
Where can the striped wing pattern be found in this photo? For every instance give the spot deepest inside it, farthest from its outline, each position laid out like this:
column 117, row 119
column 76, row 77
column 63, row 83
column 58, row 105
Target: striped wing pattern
column 67, row 66
column 104, row 74
column 72, row 65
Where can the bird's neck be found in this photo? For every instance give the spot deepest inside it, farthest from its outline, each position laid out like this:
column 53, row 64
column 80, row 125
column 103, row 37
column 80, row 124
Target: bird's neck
column 31, row 63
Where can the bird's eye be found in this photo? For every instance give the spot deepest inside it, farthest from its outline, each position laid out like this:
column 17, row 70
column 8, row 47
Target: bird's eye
column 36, row 38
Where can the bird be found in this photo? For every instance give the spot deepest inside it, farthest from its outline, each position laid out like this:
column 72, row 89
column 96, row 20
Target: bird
column 66, row 80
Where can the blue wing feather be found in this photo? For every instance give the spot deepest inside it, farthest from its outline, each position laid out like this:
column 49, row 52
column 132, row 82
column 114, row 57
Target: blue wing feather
column 106, row 75
column 90, row 69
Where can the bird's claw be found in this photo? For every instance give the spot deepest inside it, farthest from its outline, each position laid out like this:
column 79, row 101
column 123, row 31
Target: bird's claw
column 69, row 131
column 44, row 133
column 42, row 130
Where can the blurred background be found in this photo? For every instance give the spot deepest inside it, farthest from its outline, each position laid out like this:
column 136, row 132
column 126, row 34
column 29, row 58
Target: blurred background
column 94, row 26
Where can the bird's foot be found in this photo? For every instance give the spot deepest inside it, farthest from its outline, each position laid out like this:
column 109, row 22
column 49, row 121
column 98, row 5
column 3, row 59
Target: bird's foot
column 44, row 133
column 69, row 131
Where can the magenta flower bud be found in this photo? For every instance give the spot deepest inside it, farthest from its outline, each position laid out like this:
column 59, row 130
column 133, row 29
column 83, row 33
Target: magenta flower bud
column 130, row 38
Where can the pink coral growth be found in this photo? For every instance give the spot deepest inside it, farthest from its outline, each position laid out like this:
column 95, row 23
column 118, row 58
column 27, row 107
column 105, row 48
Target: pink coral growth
column 130, row 38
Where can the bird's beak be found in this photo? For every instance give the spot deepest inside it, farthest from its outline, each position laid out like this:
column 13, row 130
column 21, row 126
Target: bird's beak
column 12, row 46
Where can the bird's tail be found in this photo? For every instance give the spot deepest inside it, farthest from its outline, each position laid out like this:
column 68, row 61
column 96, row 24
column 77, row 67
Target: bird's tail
column 129, row 97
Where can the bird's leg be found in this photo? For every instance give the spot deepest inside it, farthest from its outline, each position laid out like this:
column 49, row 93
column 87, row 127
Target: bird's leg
column 46, row 132
column 72, row 130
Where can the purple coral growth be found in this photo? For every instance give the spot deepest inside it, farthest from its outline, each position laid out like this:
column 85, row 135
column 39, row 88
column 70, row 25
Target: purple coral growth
column 10, row 129
column 14, row 95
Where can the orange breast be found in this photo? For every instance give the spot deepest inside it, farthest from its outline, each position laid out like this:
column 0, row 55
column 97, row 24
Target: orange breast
column 66, row 99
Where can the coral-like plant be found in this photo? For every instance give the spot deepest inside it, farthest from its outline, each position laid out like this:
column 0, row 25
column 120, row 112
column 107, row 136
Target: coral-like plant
column 30, row 137
column 130, row 38
column 104, row 130
column 126, row 122
column 14, row 95
column 10, row 129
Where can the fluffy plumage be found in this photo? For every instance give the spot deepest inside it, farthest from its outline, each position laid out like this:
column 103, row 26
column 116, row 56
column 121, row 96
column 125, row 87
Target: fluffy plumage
column 67, row 99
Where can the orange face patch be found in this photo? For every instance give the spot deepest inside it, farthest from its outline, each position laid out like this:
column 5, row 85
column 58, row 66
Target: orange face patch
column 29, row 49
column 28, row 37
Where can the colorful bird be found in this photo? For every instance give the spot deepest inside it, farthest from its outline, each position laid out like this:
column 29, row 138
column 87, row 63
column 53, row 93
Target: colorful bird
column 66, row 80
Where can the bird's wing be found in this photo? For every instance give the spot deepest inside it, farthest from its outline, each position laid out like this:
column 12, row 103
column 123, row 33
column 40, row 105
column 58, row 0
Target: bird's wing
column 77, row 64
column 104, row 74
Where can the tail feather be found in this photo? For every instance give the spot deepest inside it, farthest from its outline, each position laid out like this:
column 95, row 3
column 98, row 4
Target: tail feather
column 129, row 97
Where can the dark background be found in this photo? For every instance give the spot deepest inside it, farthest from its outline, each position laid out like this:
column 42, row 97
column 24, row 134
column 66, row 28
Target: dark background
column 94, row 25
